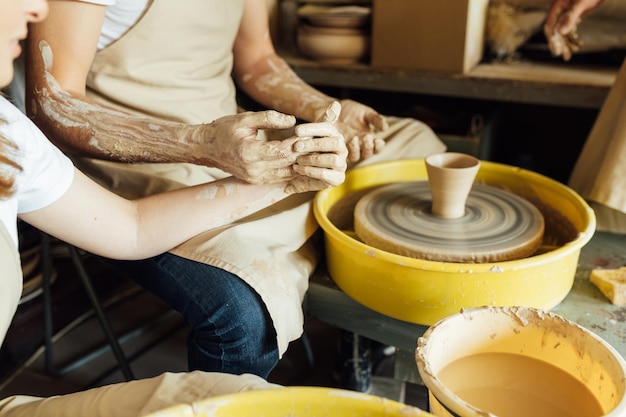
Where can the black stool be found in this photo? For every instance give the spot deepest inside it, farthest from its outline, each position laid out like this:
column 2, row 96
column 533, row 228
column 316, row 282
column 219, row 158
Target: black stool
column 112, row 340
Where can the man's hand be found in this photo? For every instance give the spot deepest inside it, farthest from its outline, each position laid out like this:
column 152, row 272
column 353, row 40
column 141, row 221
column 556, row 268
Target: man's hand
column 358, row 123
column 561, row 23
column 238, row 150
column 312, row 159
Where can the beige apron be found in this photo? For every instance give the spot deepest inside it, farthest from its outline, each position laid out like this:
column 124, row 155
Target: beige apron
column 11, row 282
column 135, row 398
column 599, row 175
column 176, row 63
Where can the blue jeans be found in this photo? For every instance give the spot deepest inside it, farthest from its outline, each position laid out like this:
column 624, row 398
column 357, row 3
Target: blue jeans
column 231, row 330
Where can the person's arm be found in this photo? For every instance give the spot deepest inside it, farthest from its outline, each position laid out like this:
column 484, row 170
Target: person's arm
column 103, row 223
column 59, row 53
column 561, row 22
column 269, row 80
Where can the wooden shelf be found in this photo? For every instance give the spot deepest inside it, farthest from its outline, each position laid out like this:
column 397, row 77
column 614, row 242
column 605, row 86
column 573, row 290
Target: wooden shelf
column 557, row 84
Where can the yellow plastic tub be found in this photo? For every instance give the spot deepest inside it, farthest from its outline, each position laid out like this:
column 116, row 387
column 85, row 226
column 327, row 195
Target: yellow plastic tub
column 294, row 402
column 423, row 292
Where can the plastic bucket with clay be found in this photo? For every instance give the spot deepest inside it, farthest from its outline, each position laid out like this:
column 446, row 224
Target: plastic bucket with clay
column 519, row 361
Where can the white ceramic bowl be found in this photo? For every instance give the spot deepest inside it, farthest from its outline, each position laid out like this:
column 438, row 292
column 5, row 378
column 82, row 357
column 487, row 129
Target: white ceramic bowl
column 333, row 45
column 336, row 16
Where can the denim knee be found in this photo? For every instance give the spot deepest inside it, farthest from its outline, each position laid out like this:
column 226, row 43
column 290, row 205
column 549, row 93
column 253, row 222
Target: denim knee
column 237, row 338
column 231, row 332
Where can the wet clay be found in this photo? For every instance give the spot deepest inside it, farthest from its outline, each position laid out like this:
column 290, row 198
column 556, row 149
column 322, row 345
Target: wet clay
column 511, row 385
column 450, row 179
column 558, row 229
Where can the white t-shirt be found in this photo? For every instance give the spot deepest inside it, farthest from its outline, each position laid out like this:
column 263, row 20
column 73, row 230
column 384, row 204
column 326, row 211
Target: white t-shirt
column 120, row 15
column 46, row 172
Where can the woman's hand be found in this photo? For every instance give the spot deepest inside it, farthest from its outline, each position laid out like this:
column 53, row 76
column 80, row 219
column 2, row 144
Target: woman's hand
column 323, row 160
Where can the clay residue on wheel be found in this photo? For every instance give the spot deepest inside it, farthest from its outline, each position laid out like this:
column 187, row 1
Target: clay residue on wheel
column 559, row 230
column 341, row 214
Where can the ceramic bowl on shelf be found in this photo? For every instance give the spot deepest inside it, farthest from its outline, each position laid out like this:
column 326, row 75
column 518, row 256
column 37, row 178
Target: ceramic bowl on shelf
column 336, row 16
column 333, row 45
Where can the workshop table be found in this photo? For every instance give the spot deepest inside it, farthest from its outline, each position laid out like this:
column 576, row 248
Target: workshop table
column 584, row 305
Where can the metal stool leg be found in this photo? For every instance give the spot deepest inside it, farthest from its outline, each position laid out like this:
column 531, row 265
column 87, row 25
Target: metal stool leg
column 354, row 361
column 98, row 310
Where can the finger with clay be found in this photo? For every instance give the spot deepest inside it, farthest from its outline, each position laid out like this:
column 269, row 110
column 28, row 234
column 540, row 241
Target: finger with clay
column 241, row 150
column 359, row 124
column 259, row 161
column 323, row 154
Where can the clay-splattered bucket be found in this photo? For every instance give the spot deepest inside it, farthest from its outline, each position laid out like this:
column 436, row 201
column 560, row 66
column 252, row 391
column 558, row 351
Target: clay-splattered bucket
column 518, row 361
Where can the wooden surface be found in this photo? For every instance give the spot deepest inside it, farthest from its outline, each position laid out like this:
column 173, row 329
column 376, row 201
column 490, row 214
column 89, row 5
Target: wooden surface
column 585, row 305
column 558, row 84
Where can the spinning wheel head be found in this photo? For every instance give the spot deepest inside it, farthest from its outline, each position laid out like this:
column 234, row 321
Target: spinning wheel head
column 496, row 225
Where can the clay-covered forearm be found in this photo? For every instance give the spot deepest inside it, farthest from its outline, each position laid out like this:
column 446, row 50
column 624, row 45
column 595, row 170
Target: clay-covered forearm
column 104, row 223
column 81, row 126
column 275, row 85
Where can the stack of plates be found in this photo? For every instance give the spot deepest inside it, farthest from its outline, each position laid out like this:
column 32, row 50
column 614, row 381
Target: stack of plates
column 338, row 35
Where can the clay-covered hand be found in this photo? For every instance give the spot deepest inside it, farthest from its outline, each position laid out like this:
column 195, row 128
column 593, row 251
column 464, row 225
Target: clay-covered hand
column 238, row 150
column 323, row 160
column 358, row 123
column 561, row 25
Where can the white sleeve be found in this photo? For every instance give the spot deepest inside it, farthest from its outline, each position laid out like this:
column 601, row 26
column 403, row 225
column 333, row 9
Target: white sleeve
column 119, row 17
column 101, row 2
column 46, row 172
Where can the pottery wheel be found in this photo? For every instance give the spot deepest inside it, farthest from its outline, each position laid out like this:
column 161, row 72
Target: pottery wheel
column 497, row 225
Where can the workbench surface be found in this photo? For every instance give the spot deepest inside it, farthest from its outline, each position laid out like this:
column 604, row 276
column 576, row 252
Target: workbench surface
column 585, row 305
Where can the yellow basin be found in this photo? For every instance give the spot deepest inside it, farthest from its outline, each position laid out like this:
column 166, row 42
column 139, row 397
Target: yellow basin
column 295, row 402
column 423, row 292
